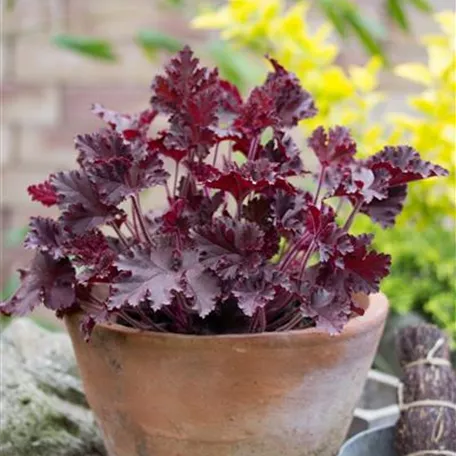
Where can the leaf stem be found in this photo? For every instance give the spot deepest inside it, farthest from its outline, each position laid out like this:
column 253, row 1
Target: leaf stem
column 339, row 205
column 214, row 161
column 352, row 215
column 120, row 235
column 139, row 214
column 253, row 148
column 168, row 193
column 320, row 184
column 134, row 323
column 292, row 251
column 133, row 230
column 230, row 152
column 306, row 258
column 296, row 319
column 149, row 320
column 176, row 174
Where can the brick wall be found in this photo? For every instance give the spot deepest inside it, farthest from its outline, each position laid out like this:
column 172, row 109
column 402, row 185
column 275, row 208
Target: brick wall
column 46, row 92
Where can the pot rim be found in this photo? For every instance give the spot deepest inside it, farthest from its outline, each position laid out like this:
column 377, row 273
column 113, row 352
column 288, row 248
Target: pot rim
column 374, row 316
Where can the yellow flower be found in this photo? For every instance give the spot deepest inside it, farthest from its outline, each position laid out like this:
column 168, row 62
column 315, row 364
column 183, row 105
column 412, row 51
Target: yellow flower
column 431, row 126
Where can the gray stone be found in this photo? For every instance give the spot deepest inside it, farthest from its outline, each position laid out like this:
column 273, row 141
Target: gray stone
column 43, row 411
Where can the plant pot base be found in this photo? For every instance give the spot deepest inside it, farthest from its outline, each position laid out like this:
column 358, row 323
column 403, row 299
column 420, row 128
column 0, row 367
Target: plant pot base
column 267, row 394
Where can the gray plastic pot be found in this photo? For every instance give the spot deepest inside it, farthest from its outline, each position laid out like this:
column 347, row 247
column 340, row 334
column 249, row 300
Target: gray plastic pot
column 378, row 442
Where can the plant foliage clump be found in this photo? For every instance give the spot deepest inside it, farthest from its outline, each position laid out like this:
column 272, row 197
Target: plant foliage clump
column 239, row 248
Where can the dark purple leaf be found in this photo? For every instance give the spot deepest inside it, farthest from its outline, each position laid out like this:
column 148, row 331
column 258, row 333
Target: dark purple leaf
column 359, row 183
column 103, row 146
column 131, row 127
column 256, row 290
column 48, row 281
column 257, row 114
column 284, row 153
column 229, row 247
column 204, row 289
column 45, row 235
column 292, row 102
column 333, row 148
column 145, row 275
column 79, row 202
column 119, row 178
column 385, row 211
column 191, row 94
column 330, row 310
column 404, row 164
column 184, row 80
column 365, row 269
column 290, row 212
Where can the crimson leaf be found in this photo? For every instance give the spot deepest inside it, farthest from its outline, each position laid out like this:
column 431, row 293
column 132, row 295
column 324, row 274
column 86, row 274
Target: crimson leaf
column 44, row 193
column 93, row 252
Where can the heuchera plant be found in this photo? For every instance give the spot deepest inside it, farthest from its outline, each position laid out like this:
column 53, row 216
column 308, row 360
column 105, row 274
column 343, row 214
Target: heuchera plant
column 239, row 248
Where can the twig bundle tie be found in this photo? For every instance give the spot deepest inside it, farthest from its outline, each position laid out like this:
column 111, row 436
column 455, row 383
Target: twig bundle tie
column 426, row 394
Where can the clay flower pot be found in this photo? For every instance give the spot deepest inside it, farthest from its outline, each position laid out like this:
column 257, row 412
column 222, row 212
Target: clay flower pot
column 269, row 394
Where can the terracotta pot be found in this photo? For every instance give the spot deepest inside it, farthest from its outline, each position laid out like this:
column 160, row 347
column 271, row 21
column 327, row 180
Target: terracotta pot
column 267, row 394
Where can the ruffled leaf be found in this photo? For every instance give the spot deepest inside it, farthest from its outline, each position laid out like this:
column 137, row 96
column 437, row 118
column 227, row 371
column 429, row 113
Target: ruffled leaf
column 103, row 145
column 333, row 147
column 48, row 281
column 404, row 165
column 146, row 274
column 44, row 193
column 80, row 203
column 204, row 289
column 47, row 236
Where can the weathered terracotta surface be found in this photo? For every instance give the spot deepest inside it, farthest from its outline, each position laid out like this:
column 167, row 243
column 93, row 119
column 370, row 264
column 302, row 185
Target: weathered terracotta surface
column 269, row 394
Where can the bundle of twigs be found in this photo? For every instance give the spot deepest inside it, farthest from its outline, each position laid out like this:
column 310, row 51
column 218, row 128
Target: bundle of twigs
column 427, row 396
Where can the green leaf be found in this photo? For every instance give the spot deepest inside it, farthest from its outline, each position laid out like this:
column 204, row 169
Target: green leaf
column 234, row 65
column 152, row 41
column 15, row 236
column 95, row 48
column 174, row 3
column 347, row 17
column 335, row 16
column 10, row 4
column 396, row 11
column 367, row 35
column 422, row 5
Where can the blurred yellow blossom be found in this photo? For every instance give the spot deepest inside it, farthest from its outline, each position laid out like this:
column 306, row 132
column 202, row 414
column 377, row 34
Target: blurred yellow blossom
column 268, row 27
column 431, row 125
